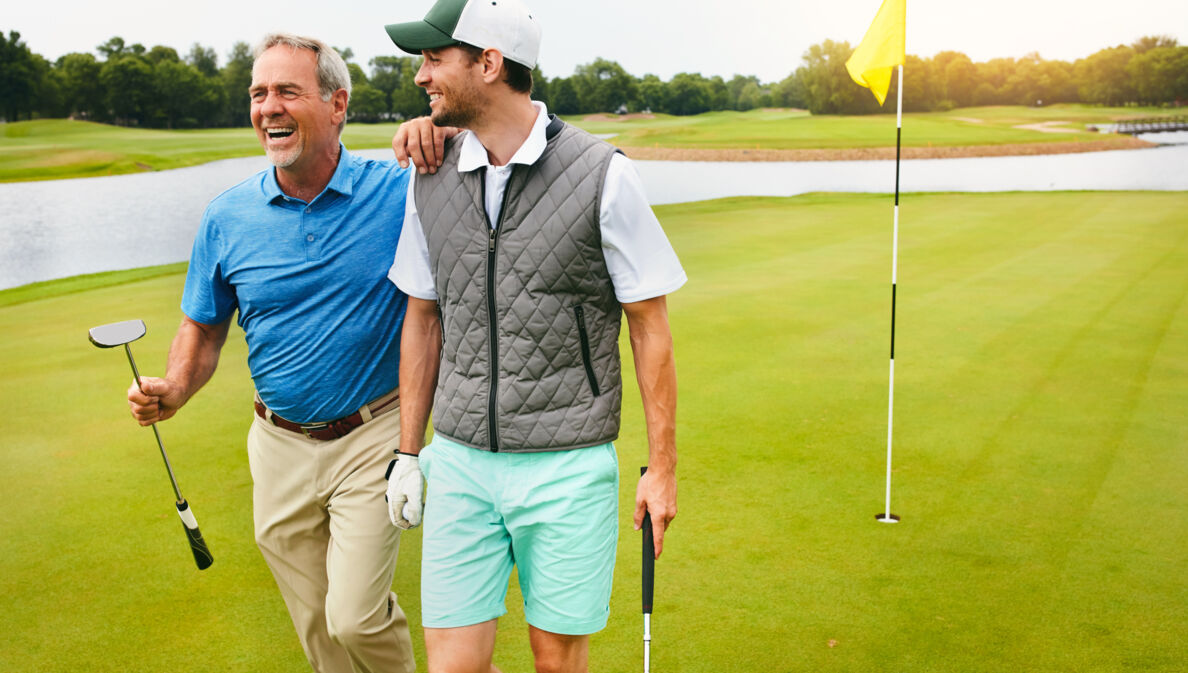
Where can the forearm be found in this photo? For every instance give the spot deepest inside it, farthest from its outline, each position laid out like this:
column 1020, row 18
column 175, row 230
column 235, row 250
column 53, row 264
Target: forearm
column 655, row 371
column 194, row 355
column 420, row 359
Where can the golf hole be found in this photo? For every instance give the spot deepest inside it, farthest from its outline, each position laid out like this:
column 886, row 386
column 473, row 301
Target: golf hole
column 887, row 518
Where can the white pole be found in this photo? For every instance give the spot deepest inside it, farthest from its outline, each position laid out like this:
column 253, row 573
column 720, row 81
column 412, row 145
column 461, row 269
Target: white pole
column 886, row 516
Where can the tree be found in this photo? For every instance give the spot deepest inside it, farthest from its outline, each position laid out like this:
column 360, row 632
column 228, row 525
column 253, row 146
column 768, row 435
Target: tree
column 1156, row 72
column 368, row 104
column 789, row 92
column 78, row 78
column 827, row 86
column 128, row 82
column 540, row 86
column 651, row 94
column 410, row 100
column 185, row 98
column 236, row 79
column 688, row 94
column 603, row 86
column 1102, row 77
column 18, row 77
column 1149, row 42
column 204, row 59
column 955, row 77
column 736, row 85
column 113, row 47
column 357, row 75
column 159, row 53
column 564, row 96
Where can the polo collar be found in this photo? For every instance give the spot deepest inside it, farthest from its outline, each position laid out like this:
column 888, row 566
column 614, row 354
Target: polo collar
column 473, row 155
column 343, row 180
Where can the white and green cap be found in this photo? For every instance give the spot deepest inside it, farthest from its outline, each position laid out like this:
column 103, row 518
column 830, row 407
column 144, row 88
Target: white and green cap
column 505, row 25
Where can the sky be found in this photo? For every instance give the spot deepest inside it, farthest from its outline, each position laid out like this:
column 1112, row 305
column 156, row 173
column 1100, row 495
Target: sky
column 765, row 38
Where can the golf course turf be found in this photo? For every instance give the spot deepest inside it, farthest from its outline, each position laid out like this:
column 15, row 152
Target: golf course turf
column 1041, row 456
column 47, row 149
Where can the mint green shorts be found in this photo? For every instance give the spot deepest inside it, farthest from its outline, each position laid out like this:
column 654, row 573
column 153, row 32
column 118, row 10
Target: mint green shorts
column 552, row 515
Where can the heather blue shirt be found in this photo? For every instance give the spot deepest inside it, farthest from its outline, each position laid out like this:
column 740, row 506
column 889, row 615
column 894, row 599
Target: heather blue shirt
column 310, row 282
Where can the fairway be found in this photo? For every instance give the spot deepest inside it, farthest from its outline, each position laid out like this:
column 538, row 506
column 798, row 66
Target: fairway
column 1041, row 456
column 57, row 148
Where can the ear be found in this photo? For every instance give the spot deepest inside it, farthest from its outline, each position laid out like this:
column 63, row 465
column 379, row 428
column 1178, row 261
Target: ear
column 339, row 101
column 492, row 65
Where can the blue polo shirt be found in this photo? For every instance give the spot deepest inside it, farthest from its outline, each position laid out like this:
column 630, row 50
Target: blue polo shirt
column 310, row 282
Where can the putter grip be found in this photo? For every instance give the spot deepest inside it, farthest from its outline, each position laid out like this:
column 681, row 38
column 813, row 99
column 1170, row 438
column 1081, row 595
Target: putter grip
column 197, row 545
column 649, row 558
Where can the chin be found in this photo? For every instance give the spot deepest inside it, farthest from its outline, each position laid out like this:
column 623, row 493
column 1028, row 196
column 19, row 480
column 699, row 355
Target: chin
column 283, row 159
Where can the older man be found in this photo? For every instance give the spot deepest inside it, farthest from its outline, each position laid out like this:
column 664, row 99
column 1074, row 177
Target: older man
column 520, row 254
column 302, row 251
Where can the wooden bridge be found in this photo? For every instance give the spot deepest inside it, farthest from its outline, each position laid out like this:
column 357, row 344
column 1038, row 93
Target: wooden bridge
column 1152, row 125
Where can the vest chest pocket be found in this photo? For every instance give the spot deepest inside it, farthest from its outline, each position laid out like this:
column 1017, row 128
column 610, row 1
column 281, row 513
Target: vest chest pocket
column 580, row 315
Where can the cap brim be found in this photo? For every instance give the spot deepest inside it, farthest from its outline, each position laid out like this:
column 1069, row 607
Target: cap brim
column 414, row 36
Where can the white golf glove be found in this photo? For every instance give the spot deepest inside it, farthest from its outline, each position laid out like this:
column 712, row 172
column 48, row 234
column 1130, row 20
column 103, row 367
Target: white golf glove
column 405, row 486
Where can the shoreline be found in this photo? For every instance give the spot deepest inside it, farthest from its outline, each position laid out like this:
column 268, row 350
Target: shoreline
column 882, row 153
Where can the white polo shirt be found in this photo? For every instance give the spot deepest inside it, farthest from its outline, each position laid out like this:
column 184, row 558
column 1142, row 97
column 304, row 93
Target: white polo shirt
column 641, row 261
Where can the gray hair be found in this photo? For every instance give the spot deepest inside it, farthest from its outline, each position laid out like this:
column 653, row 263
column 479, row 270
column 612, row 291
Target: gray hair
column 331, row 70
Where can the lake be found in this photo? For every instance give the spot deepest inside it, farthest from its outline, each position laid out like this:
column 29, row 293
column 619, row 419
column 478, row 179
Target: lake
column 58, row 228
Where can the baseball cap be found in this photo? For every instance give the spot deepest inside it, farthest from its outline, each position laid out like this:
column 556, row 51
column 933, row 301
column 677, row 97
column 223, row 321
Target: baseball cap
column 505, row 25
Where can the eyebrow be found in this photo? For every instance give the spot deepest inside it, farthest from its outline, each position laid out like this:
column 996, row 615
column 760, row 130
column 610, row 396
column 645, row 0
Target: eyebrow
column 277, row 85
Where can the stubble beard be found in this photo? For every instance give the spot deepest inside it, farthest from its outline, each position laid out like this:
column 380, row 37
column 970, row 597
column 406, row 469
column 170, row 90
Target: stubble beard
column 461, row 111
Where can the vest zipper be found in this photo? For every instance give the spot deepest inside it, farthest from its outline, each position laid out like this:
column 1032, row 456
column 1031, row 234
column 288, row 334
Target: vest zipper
column 493, row 334
column 585, row 339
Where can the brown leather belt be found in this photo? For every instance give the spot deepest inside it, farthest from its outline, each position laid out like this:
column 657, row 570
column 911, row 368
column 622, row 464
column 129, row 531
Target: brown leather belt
column 330, row 429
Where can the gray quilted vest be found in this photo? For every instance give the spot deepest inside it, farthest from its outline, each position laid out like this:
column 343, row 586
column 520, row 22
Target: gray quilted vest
column 530, row 323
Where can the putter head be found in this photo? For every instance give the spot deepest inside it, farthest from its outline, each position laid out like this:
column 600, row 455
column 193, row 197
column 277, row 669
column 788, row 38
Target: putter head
column 117, row 333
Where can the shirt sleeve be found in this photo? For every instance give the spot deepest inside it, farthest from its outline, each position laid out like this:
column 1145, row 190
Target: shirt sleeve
column 641, row 261
column 207, row 297
column 410, row 269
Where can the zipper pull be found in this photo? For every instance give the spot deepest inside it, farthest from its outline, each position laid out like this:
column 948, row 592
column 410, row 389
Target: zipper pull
column 491, row 242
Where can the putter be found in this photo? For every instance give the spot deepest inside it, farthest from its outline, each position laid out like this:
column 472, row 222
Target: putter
column 122, row 334
column 648, row 574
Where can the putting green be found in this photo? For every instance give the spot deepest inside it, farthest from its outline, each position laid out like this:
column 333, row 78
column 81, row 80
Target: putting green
column 1041, row 452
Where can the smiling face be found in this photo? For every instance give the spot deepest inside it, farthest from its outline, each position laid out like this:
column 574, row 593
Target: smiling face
column 296, row 127
column 451, row 78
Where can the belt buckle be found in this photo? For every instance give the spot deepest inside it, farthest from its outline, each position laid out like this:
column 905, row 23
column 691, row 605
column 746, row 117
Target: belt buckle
column 314, row 427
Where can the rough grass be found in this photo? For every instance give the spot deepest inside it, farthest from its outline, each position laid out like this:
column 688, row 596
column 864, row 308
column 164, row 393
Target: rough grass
column 1041, row 452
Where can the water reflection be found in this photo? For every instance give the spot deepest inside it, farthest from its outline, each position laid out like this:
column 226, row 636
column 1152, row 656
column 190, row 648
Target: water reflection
column 62, row 228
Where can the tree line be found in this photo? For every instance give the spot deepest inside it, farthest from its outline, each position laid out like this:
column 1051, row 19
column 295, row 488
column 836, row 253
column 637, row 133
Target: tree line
column 130, row 85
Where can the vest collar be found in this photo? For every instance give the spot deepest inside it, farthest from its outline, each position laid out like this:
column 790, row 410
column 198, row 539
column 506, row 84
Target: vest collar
column 473, row 155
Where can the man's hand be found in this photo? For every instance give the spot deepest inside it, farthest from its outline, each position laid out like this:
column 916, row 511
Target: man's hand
column 405, row 486
column 656, row 494
column 160, row 400
column 423, row 142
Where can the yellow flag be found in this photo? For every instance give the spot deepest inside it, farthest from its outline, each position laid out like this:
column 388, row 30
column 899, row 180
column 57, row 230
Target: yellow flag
column 880, row 50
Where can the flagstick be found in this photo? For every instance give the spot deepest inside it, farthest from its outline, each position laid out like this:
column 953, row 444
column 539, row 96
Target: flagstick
column 886, row 516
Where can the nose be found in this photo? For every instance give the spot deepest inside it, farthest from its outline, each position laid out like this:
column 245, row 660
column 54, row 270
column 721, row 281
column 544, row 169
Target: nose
column 271, row 105
column 422, row 77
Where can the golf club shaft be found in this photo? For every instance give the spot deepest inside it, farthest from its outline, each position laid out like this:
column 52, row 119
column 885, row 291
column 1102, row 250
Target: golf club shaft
column 156, row 433
column 202, row 555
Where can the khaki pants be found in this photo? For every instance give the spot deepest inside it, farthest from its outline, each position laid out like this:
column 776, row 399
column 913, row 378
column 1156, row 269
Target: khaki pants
column 322, row 524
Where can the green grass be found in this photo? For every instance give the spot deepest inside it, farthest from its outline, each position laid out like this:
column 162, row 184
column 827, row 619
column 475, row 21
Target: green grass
column 57, row 148
column 792, row 129
column 1041, row 452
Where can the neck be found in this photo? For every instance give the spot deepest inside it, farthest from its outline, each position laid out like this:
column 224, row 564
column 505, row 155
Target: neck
column 505, row 125
column 305, row 180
